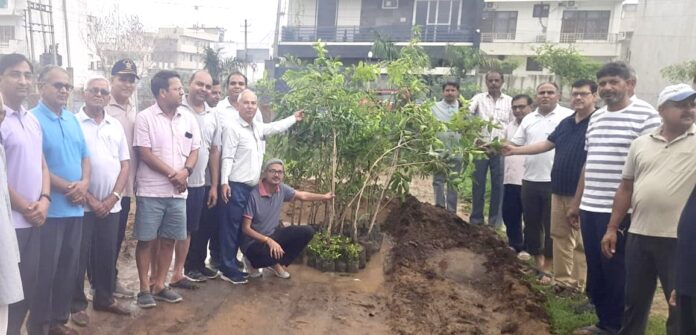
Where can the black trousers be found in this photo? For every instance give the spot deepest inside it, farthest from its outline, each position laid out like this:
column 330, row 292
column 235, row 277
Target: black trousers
column 58, row 266
column 97, row 249
column 536, row 202
column 208, row 227
column 648, row 259
column 292, row 239
column 687, row 314
column 512, row 215
column 122, row 225
column 29, row 241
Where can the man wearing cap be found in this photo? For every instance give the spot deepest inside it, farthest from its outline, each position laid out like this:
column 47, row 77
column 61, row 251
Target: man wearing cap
column 106, row 141
column 659, row 175
column 268, row 244
column 124, row 75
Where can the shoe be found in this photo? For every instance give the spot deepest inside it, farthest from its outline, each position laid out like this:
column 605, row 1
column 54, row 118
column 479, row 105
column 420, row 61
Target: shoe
column 524, row 256
column 280, row 274
column 210, row 273
column 213, row 264
column 591, row 330
column 62, row 330
column 236, row 280
column 122, row 292
column 80, row 318
column 115, row 308
column 185, row 284
column 146, row 300
column 168, row 295
column 195, row 276
column 252, row 271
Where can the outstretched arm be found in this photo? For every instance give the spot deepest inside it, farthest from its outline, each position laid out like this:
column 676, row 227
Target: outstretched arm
column 309, row 196
column 532, row 149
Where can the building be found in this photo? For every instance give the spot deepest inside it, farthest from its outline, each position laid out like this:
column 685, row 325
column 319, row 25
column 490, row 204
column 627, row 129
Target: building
column 182, row 49
column 12, row 32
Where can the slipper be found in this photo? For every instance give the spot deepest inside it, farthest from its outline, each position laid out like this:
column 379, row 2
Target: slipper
column 544, row 278
column 184, row 284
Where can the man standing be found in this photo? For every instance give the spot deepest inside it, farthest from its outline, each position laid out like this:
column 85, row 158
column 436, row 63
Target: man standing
column 568, row 139
column 28, row 177
column 444, row 110
column 536, row 182
column 492, row 106
column 512, row 182
column 659, row 175
column 215, row 94
column 610, row 133
column 124, row 75
column 167, row 140
column 267, row 244
column 68, row 162
column 106, row 141
column 242, row 155
column 684, row 294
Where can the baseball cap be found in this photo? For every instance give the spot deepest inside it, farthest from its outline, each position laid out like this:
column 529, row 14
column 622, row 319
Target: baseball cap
column 125, row 66
column 678, row 92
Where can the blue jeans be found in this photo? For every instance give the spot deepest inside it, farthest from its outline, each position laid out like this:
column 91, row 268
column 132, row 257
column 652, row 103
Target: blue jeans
column 605, row 277
column 512, row 216
column 231, row 227
column 478, row 190
column 439, row 182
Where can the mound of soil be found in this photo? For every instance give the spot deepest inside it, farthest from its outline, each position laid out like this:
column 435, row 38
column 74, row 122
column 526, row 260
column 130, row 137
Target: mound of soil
column 445, row 276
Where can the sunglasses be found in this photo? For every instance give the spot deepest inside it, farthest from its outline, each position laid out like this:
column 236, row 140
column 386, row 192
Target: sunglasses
column 97, row 91
column 59, row 86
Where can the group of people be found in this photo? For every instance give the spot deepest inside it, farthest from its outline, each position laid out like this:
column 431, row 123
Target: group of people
column 609, row 194
column 192, row 161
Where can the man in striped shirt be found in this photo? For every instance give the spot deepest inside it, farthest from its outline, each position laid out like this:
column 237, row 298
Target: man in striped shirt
column 610, row 133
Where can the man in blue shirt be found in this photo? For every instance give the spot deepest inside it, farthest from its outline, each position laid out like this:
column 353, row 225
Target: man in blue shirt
column 67, row 158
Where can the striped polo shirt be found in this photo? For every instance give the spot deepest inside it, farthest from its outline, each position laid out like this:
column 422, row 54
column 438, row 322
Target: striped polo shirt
column 609, row 136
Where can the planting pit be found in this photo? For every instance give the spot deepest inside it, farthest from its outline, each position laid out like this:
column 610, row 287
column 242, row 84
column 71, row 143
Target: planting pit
column 434, row 274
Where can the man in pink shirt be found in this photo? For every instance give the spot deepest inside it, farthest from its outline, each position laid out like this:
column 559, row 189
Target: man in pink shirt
column 167, row 141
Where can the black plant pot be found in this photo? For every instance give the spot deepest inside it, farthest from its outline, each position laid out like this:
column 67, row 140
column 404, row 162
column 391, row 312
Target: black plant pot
column 341, row 266
column 353, row 266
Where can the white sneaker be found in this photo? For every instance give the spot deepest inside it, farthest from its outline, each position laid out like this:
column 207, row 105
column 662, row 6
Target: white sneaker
column 253, row 272
column 282, row 274
column 524, row 256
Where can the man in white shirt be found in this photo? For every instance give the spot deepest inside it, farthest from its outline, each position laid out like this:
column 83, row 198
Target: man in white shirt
column 493, row 106
column 444, row 110
column 536, row 182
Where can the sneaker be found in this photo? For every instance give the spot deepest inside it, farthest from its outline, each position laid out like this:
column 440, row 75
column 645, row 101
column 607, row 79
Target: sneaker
column 280, row 274
column 213, row 264
column 524, row 256
column 252, row 271
column 236, row 280
column 146, row 300
column 210, row 273
column 195, row 276
column 168, row 295
column 122, row 292
column 80, row 318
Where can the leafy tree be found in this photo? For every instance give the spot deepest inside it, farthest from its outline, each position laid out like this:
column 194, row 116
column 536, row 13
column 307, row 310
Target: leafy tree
column 384, row 49
column 679, row 73
column 566, row 63
column 212, row 62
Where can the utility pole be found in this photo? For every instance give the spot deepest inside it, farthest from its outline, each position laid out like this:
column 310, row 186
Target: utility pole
column 246, row 47
column 67, row 32
column 43, row 28
column 277, row 31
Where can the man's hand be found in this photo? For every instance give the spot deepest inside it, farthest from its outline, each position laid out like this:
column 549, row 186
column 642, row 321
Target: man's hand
column 673, row 299
column 77, row 191
column 573, row 216
column 507, row 150
column 106, row 205
column 212, row 196
column 299, row 115
column 37, row 212
column 226, row 193
column 329, row 196
column 609, row 243
column 276, row 250
column 96, row 205
column 178, row 178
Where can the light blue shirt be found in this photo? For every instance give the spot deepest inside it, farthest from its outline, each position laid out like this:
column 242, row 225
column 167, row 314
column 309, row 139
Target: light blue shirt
column 64, row 148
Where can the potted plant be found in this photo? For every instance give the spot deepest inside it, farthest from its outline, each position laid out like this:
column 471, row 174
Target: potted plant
column 362, row 258
column 353, row 257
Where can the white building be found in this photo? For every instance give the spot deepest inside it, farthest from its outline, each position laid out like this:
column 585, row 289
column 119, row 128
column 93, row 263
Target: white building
column 182, row 49
column 12, row 32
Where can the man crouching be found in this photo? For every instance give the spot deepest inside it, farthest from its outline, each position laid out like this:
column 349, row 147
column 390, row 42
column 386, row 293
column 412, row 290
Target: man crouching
column 267, row 244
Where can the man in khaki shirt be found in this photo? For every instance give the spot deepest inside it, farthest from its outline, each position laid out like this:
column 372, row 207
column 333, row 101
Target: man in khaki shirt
column 658, row 177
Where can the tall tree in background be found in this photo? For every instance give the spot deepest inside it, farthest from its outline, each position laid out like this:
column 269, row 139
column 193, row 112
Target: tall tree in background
column 566, row 63
column 681, row 72
column 212, row 61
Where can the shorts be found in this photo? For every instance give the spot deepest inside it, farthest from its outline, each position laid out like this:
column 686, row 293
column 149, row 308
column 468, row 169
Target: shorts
column 160, row 218
column 195, row 202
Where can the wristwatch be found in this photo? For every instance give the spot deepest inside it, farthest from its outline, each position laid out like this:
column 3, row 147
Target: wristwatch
column 189, row 170
column 118, row 196
column 47, row 196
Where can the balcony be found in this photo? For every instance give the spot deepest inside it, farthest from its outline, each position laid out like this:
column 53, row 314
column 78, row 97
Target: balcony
column 353, row 34
column 590, row 37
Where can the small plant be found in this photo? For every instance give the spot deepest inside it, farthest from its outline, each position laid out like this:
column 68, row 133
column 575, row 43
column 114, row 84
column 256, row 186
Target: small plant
column 352, row 252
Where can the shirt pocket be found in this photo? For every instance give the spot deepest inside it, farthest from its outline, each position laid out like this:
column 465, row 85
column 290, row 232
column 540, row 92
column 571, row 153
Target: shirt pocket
column 682, row 162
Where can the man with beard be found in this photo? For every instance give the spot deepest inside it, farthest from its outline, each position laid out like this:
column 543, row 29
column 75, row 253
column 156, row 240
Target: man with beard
column 609, row 135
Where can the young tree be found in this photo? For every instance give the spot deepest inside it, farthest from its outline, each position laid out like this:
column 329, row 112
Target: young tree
column 681, row 72
column 566, row 63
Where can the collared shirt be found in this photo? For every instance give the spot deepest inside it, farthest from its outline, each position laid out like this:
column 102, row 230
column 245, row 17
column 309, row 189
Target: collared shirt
column 21, row 135
column 243, row 149
column 445, row 112
column 264, row 209
column 126, row 116
column 497, row 111
column 10, row 280
column 207, row 123
column 534, row 128
column 107, row 144
column 171, row 140
column 64, row 148
column 663, row 174
column 569, row 139
column 514, row 165
column 609, row 135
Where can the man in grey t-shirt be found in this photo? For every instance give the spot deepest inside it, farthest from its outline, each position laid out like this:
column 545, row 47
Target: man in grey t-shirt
column 267, row 244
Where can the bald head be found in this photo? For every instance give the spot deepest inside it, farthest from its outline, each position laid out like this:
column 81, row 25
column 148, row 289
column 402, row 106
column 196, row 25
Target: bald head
column 200, row 85
column 247, row 105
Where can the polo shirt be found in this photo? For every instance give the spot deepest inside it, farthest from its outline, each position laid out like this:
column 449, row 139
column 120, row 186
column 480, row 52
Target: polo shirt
column 264, row 209
column 686, row 253
column 663, row 174
column 569, row 139
column 107, row 144
column 534, row 128
column 497, row 111
column 171, row 140
column 21, row 135
column 609, row 136
column 64, row 148
column 125, row 114
column 207, row 123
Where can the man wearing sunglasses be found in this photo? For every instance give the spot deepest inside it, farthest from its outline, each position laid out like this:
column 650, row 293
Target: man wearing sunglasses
column 67, row 157
column 124, row 76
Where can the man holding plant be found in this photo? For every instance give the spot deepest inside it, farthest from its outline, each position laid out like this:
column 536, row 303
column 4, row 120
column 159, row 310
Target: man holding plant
column 266, row 243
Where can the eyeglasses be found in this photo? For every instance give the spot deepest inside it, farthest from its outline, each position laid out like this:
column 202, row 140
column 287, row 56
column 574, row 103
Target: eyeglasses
column 130, row 79
column 519, row 106
column 95, row 91
column 60, row 86
column 276, row 172
column 580, row 94
column 237, row 83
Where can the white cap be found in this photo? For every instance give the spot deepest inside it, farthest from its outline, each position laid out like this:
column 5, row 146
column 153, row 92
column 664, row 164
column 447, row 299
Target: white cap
column 678, row 92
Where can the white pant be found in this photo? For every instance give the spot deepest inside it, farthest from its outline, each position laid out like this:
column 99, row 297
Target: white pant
column 3, row 319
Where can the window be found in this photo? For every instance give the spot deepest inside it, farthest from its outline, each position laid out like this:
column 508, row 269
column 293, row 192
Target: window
column 540, row 10
column 584, row 25
column 390, row 4
column 533, row 65
column 7, row 33
column 435, row 12
column 498, row 25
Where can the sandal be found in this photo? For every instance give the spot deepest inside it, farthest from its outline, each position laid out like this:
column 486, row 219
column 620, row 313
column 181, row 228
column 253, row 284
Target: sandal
column 544, row 278
column 184, row 284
